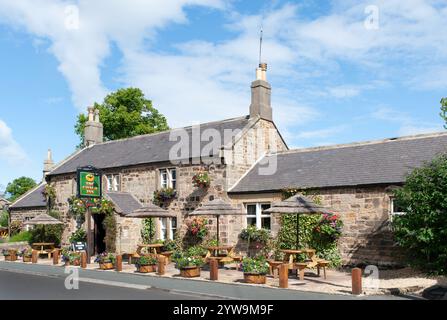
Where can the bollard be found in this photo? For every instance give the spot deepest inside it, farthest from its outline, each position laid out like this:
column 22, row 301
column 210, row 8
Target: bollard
column 56, row 257
column 214, row 269
column 284, row 276
column 119, row 263
column 83, row 260
column 161, row 265
column 356, row 281
column 34, row 256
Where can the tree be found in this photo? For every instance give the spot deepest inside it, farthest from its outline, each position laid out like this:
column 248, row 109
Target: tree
column 125, row 113
column 422, row 230
column 444, row 110
column 18, row 187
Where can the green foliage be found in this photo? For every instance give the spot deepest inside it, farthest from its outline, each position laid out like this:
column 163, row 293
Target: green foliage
column 256, row 265
column 15, row 227
column 184, row 259
column 79, row 236
column 18, row 187
column 105, row 257
column 148, row 230
column 444, row 110
column 422, row 231
column 24, row 236
column 28, row 253
column 4, row 218
column 170, row 245
column 253, row 234
column 125, row 113
column 51, row 233
column 148, row 260
column 197, row 227
column 196, row 251
column 49, row 193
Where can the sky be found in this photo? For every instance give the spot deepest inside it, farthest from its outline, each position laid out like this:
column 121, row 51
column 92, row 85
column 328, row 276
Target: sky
column 341, row 71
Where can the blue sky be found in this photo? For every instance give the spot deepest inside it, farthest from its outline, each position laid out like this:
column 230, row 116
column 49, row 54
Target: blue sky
column 335, row 79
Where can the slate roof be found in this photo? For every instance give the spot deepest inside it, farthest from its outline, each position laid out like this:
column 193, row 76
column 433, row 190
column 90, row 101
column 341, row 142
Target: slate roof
column 378, row 162
column 32, row 199
column 125, row 203
column 141, row 149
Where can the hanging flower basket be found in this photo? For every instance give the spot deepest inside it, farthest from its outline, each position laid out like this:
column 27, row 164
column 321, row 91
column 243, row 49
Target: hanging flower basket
column 201, row 180
column 197, row 227
column 164, row 195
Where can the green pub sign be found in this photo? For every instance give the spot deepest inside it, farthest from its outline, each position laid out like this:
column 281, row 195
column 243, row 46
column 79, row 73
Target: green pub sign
column 89, row 183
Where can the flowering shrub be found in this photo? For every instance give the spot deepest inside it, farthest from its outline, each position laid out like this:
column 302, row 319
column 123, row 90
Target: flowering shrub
column 28, row 253
column 6, row 252
column 77, row 207
column 70, row 256
column 197, row 251
column 169, row 245
column 197, row 227
column 253, row 234
column 201, row 180
column 164, row 195
column 146, row 261
column 79, row 236
column 183, row 260
column 105, row 258
column 329, row 226
column 256, row 265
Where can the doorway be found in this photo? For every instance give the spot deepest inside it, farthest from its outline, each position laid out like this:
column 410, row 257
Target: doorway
column 99, row 234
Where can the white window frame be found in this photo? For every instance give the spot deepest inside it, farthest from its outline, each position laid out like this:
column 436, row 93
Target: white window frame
column 169, row 181
column 113, row 182
column 392, row 213
column 259, row 215
column 166, row 229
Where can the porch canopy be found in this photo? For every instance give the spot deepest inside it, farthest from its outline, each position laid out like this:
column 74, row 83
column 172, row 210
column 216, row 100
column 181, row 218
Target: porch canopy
column 43, row 219
column 217, row 207
column 151, row 211
column 298, row 204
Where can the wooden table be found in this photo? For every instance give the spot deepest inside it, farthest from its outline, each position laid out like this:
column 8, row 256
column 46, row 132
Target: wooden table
column 154, row 247
column 40, row 248
column 214, row 251
column 290, row 254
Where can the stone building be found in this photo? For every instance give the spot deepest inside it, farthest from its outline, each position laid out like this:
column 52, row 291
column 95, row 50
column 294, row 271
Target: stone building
column 3, row 203
column 249, row 163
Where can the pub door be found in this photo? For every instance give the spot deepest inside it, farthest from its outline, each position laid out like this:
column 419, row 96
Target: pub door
column 99, row 234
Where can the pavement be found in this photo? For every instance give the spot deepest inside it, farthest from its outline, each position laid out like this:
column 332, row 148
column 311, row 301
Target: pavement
column 36, row 281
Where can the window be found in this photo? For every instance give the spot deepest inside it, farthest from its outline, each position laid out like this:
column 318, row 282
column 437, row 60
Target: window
column 168, row 227
column 396, row 208
column 255, row 217
column 113, row 182
column 168, row 178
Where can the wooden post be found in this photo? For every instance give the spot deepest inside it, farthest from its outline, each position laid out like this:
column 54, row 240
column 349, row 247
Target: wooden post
column 284, row 275
column 89, row 233
column 356, row 281
column 214, row 269
column 56, row 257
column 119, row 263
column 83, row 259
column 34, row 256
column 161, row 265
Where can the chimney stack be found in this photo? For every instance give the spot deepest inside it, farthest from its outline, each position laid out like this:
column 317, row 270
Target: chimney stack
column 261, row 95
column 48, row 164
column 93, row 132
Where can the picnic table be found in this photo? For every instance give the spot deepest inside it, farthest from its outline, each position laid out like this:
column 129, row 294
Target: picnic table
column 223, row 254
column 154, row 248
column 44, row 248
column 312, row 261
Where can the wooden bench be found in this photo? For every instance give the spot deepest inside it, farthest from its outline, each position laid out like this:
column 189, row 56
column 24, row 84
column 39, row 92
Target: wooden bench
column 322, row 264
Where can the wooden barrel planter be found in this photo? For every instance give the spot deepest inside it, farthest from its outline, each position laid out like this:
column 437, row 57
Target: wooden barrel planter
column 190, row 272
column 106, row 266
column 255, row 278
column 75, row 263
column 27, row 259
column 11, row 257
column 147, row 269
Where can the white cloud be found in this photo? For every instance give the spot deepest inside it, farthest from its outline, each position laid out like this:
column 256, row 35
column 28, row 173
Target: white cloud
column 10, row 151
column 409, row 130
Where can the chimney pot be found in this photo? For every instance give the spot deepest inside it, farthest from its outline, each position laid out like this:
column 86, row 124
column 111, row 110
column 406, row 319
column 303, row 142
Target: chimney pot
column 261, row 95
column 94, row 131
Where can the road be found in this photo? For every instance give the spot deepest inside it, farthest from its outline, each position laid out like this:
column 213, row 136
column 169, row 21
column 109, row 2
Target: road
column 15, row 286
column 27, row 281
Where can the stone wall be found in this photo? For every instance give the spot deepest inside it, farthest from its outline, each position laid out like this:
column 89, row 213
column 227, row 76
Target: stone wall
column 26, row 213
column 365, row 212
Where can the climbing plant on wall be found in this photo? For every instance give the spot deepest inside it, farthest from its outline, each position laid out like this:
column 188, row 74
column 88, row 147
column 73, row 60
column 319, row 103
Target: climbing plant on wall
column 325, row 247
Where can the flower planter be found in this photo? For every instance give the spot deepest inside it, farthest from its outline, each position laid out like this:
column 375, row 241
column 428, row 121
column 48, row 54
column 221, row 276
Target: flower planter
column 255, row 278
column 190, row 272
column 147, row 269
column 11, row 257
column 27, row 259
column 75, row 263
column 106, row 266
